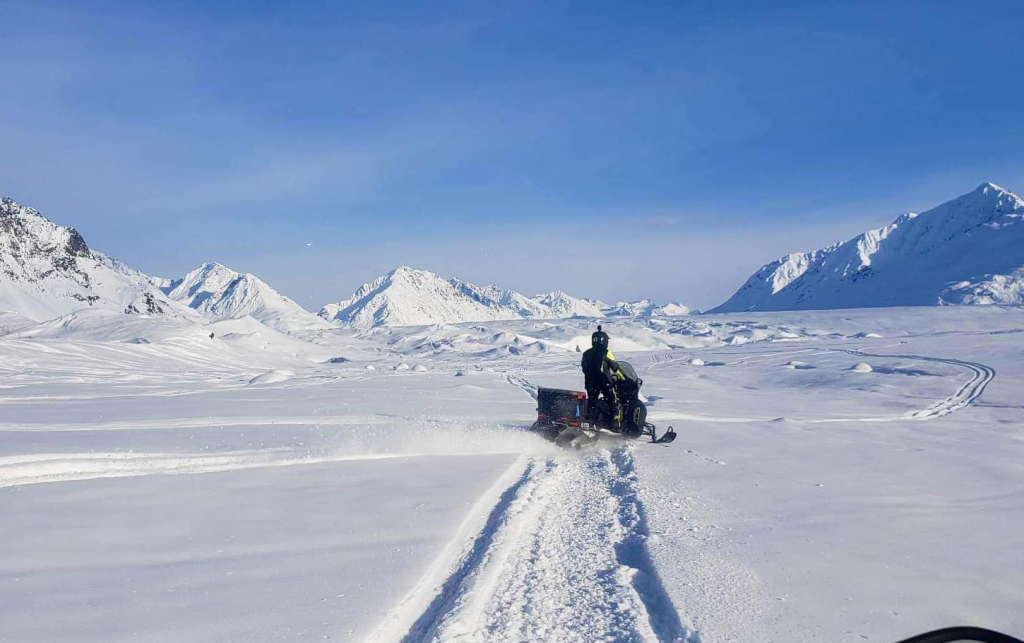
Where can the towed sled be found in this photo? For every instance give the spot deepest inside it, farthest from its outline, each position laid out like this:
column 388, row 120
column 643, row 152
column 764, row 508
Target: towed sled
column 569, row 418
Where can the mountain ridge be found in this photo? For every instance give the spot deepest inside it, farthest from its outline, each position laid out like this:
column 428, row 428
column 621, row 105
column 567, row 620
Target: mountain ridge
column 410, row 297
column 969, row 250
column 47, row 270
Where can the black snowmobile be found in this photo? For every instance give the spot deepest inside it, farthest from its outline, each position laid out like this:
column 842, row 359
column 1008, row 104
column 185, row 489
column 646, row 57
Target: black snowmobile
column 570, row 419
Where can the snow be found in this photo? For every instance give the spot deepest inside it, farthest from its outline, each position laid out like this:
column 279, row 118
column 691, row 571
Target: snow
column 160, row 484
column 836, row 516
column 259, row 554
column 966, row 251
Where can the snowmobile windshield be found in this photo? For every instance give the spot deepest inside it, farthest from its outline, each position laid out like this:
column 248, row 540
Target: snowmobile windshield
column 628, row 372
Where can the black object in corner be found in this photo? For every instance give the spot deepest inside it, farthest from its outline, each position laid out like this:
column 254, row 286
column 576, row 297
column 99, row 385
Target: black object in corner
column 964, row 634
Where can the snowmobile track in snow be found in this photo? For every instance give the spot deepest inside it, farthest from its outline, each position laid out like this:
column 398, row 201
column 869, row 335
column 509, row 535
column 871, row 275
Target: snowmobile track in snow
column 523, row 383
column 561, row 556
column 965, row 396
column 981, row 376
column 455, row 586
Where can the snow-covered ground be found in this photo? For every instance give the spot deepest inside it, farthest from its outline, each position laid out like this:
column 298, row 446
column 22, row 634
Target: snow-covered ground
column 839, row 476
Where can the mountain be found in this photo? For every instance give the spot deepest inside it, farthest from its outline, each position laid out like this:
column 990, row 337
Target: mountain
column 967, row 251
column 47, row 270
column 408, row 297
column 515, row 304
column 645, row 308
column 219, row 293
column 560, row 305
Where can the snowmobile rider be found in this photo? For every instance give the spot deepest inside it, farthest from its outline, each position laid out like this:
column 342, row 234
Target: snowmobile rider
column 600, row 372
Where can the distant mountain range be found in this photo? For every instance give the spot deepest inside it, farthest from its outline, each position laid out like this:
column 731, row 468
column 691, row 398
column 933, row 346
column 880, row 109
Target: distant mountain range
column 48, row 271
column 408, row 297
column 967, row 251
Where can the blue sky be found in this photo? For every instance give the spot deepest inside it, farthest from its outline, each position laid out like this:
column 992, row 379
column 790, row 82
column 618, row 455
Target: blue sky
column 614, row 150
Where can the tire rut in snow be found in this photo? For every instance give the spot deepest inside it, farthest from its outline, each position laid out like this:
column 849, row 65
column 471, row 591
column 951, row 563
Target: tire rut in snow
column 566, row 560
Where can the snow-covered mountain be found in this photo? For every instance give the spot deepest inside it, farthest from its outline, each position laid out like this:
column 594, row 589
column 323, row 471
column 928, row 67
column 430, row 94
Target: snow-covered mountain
column 560, row 305
column 645, row 308
column 219, row 293
column 408, row 297
column 967, row 251
column 47, row 271
column 496, row 298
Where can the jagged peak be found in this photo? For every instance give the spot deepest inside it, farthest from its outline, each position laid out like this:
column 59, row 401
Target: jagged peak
column 991, row 193
column 10, row 207
column 408, row 270
column 10, row 204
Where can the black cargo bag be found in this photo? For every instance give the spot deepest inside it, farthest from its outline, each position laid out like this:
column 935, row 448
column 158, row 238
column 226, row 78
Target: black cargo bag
column 561, row 406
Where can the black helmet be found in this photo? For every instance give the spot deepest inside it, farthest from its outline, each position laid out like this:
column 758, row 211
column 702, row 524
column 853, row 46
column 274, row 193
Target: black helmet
column 599, row 339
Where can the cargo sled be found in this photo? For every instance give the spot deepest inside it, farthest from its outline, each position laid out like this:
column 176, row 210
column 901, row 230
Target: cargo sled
column 569, row 418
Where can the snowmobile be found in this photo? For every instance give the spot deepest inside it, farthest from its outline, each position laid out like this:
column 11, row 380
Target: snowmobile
column 570, row 419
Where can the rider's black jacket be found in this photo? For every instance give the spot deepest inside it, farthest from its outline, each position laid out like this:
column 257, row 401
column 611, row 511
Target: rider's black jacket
column 599, row 368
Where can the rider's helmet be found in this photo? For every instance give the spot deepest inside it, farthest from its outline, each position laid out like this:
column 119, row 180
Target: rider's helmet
column 599, row 339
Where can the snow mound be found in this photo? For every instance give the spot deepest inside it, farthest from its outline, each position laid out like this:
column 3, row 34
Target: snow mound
column 272, row 376
column 862, row 367
column 104, row 325
column 619, row 343
column 797, row 365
